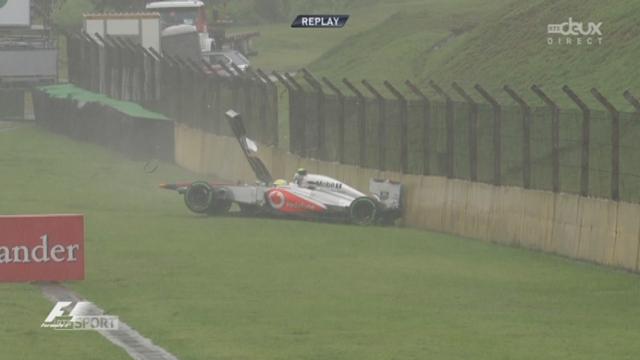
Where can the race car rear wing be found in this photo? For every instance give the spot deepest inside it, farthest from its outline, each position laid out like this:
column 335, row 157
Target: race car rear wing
column 387, row 192
column 249, row 148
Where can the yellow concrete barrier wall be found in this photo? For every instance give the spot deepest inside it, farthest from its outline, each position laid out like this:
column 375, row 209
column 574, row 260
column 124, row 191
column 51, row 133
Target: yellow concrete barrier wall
column 597, row 230
column 626, row 249
column 537, row 220
column 478, row 210
column 433, row 197
column 565, row 232
column 506, row 215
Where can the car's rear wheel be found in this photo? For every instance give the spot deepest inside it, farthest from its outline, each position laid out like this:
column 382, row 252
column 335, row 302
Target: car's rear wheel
column 363, row 211
column 198, row 197
column 201, row 198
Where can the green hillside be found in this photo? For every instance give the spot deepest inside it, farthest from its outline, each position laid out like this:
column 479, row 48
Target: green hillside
column 397, row 48
column 495, row 45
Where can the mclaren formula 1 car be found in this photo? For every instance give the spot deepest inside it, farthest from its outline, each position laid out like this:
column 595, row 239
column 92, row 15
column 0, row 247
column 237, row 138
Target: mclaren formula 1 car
column 309, row 196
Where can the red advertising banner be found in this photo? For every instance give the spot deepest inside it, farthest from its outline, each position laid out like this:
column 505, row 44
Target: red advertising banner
column 41, row 248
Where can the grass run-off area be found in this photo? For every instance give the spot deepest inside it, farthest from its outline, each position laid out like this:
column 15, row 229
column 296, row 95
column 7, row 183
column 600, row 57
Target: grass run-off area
column 235, row 288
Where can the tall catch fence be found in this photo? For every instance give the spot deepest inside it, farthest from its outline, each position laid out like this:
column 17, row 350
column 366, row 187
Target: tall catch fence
column 464, row 133
column 468, row 134
column 189, row 92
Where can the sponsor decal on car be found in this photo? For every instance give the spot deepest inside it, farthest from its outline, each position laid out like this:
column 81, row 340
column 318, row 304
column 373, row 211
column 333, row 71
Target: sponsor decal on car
column 288, row 202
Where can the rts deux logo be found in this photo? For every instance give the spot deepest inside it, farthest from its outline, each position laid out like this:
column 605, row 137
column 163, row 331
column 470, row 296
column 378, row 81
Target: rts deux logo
column 574, row 33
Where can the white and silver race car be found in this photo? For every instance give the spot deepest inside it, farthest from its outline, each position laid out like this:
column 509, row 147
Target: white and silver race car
column 309, row 196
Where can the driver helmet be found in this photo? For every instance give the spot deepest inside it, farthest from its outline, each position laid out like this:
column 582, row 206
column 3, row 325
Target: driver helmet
column 280, row 182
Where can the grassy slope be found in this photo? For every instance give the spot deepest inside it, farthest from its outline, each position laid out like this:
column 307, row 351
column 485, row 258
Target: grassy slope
column 375, row 33
column 285, row 49
column 492, row 42
column 236, row 288
column 394, row 49
column 511, row 48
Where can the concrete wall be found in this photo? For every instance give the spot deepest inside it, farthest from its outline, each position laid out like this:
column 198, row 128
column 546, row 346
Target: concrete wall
column 597, row 230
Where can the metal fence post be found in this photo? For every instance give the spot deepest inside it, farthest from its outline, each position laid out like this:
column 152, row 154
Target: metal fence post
column 257, row 83
column 247, row 83
column 168, row 76
column 214, row 88
column 586, row 130
column 404, row 144
column 158, row 75
column 304, row 151
column 450, row 127
column 341, row 118
column 187, row 91
column 320, row 111
column 201, row 92
column 127, row 82
column 362, row 135
column 497, row 134
column 139, row 77
column 271, row 87
column 526, row 136
column 93, row 65
column 232, row 80
column 615, row 143
column 426, row 127
column 555, row 136
column 71, row 57
column 632, row 100
column 215, row 85
column 122, row 68
column 116, row 83
column 82, row 60
column 147, row 62
column 291, row 91
column 382, row 146
column 108, row 54
column 472, row 127
column 153, row 83
column 178, row 89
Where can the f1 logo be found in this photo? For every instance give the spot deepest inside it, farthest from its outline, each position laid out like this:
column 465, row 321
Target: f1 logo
column 61, row 309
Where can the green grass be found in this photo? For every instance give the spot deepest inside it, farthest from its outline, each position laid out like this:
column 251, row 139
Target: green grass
column 397, row 48
column 21, row 337
column 510, row 47
column 233, row 288
column 493, row 42
column 283, row 48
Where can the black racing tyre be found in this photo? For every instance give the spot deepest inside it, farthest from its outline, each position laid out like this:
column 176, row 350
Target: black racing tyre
column 363, row 211
column 198, row 197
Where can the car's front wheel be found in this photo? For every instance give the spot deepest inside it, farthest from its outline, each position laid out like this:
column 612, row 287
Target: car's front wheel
column 363, row 211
